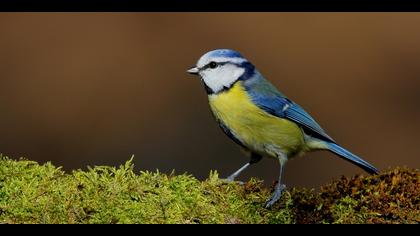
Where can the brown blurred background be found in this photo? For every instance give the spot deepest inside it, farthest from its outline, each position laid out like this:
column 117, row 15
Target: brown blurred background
column 83, row 89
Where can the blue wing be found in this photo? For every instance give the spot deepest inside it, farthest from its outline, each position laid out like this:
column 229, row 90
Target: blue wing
column 268, row 98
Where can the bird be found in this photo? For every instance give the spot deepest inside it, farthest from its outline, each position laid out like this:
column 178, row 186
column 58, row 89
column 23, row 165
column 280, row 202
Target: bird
column 259, row 118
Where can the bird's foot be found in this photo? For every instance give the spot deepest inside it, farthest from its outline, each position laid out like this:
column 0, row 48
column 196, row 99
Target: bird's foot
column 231, row 179
column 276, row 195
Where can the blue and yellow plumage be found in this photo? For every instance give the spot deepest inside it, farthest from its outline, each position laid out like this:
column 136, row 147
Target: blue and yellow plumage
column 258, row 117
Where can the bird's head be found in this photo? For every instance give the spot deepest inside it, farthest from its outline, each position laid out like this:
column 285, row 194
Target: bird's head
column 220, row 69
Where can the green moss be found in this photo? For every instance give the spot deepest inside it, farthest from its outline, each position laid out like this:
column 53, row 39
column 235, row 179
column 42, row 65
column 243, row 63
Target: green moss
column 33, row 193
column 344, row 211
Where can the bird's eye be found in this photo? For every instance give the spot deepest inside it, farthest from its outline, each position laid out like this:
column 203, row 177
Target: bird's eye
column 212, row 65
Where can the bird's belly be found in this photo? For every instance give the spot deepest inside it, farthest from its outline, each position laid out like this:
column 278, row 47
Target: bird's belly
column 256, row 129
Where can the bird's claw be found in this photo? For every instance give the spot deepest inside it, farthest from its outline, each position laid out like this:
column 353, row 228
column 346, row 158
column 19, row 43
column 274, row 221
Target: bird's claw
column 275, row 196
column 231, row 179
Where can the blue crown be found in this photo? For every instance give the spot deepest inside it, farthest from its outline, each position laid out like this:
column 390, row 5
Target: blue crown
column 225, row 53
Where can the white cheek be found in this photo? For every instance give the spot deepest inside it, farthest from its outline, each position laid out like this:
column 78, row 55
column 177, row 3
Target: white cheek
column 222, row 77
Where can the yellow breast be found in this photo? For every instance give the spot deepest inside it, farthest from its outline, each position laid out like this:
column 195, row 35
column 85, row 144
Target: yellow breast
column 256, row 129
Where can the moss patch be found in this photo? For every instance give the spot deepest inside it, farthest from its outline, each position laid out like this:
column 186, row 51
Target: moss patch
column 33, row 193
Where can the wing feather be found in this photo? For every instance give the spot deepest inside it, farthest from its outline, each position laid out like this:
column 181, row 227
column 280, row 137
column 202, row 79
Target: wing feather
column 268, row 98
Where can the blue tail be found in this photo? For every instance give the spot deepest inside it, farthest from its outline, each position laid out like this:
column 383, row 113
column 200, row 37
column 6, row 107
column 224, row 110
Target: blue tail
column 343, row 153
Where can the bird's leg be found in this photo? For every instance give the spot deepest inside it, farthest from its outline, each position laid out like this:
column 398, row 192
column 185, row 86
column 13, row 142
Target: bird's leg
column 279, row 189
column 236, row 174
column 254, row 159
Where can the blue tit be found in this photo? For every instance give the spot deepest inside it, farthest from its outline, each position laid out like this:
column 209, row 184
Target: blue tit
column 259, row 118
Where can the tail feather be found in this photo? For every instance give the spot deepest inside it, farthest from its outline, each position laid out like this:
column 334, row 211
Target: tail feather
column 347, row 155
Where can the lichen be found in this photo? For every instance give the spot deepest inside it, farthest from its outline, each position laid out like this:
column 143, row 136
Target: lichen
column 34, row 193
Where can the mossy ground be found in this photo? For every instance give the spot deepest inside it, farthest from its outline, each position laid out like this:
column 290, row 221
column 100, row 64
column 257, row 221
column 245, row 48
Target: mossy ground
column 33, row 193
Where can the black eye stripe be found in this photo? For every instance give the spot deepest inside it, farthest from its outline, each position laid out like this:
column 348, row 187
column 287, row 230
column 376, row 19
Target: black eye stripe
column 213, row 65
